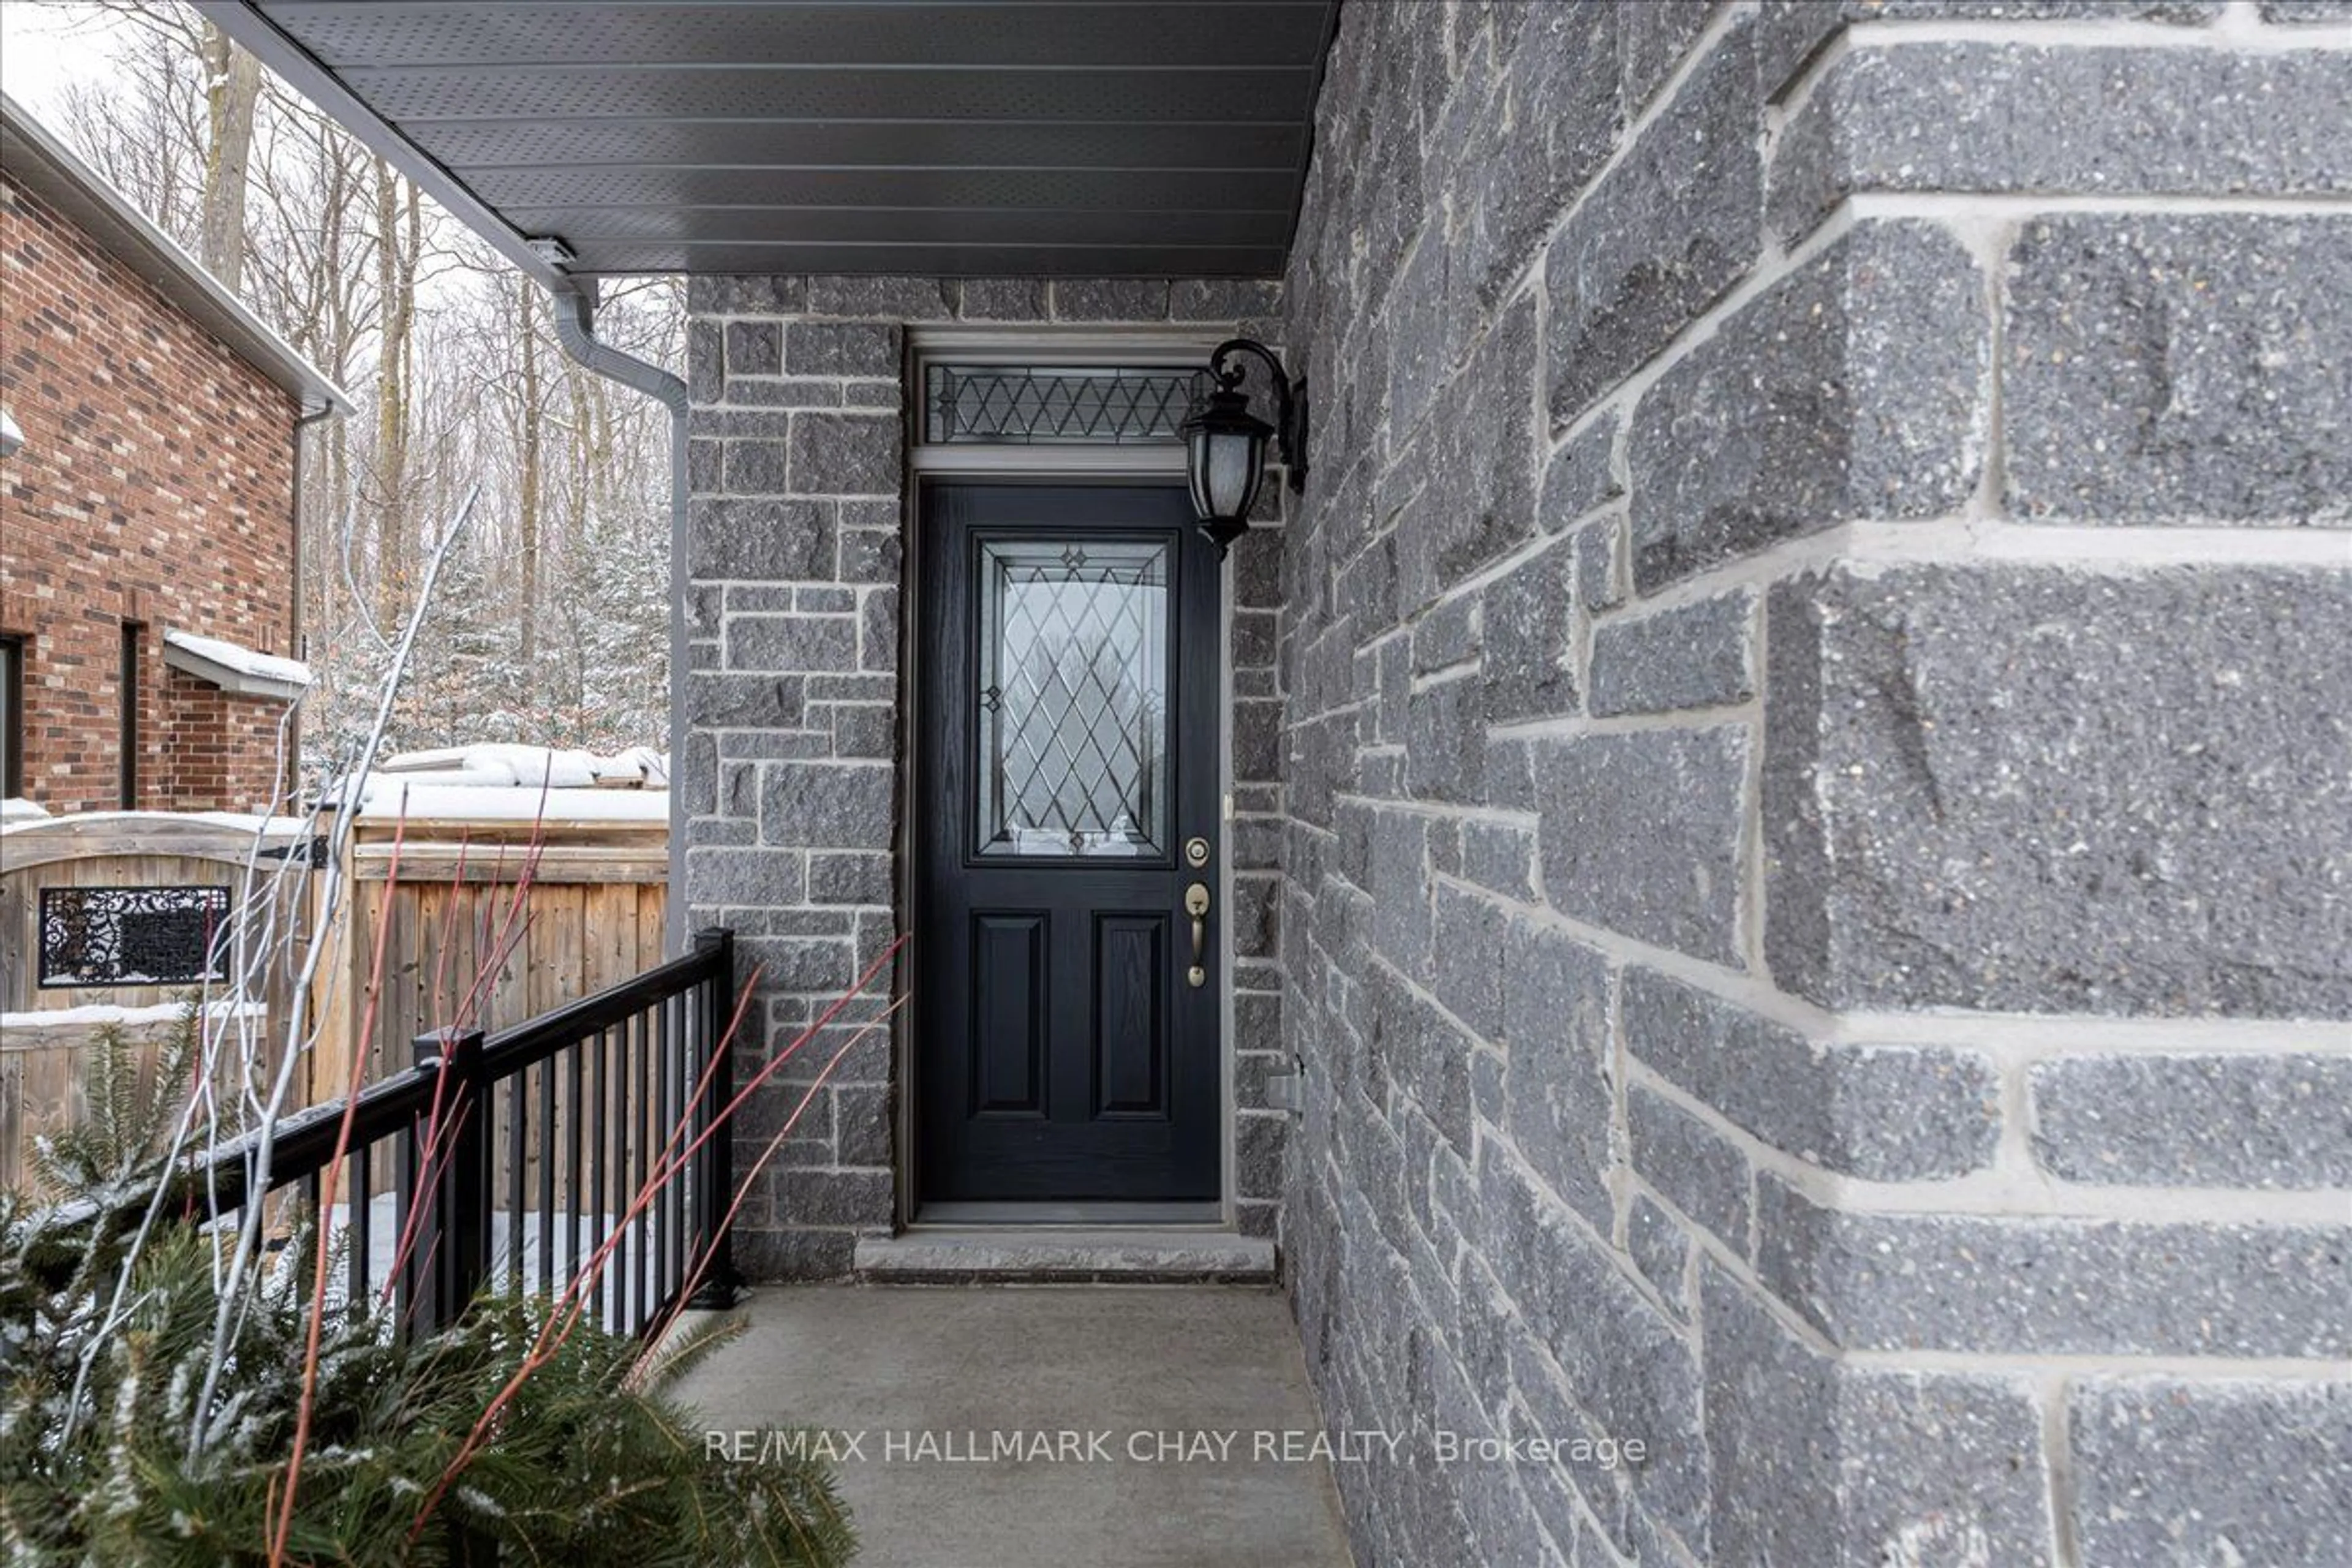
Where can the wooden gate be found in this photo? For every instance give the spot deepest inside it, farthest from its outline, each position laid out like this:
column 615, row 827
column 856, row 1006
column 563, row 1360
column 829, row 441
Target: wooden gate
column 96, row 882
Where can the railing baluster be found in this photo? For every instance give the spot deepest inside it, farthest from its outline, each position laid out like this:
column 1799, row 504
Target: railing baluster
column 598, row 1076
column 714, row 995
column 617, row 1301
column 308, row 1265
column 616, row 1272
column 575, row 1190
column 625, row 1132
column 547, row 1125
column 648, row 1149
column 667, row 1274
column 681, row 1056
column 465, row 1196
column 359, row 1235
column 596, row 1164
column 406, row 1224
column 631, row 1152
column 720, row 988
column 517, row 1141
column 616, row 1108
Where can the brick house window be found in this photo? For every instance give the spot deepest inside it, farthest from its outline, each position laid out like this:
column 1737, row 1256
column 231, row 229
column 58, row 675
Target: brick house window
column 12, row 717
column 133, row 635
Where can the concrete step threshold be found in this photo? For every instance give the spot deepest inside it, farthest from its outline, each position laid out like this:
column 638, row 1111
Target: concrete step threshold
column 1060, row 1255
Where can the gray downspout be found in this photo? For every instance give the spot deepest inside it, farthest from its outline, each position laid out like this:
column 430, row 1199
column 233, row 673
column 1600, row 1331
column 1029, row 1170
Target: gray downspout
column 296, row 642
column 575, row 328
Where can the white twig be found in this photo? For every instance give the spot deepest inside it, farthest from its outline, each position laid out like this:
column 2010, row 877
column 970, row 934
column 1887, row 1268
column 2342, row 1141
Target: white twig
column 257, row 1185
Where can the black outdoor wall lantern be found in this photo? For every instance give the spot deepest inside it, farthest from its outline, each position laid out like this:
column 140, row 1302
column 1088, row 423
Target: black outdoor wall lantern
column 1224, row 443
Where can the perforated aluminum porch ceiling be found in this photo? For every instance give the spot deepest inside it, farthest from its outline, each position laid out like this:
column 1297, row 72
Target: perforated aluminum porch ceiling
column 1096, row 138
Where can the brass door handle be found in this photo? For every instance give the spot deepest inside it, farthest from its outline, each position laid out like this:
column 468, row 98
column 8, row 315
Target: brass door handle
column 1196, row 904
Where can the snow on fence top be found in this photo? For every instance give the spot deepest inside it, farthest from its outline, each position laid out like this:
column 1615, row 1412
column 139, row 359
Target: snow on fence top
column 38, row 838
column 92, row 1015
column 518, row 784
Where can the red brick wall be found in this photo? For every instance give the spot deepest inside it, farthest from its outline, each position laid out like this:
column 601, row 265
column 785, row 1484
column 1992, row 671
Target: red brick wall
column 222, row 749
column 156, row 484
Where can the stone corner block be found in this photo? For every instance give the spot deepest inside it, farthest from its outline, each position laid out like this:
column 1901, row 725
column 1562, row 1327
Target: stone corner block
column 2218, row 1120
column 2056, row 1285
column 1815, row 1461
column 1856, row 387
column 2038, row 789
column 2008, row 116
column 1879, row 1112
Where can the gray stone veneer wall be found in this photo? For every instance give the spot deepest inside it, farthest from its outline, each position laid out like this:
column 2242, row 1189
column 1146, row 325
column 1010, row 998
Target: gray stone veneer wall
column 790, row 742
column 1817, row 882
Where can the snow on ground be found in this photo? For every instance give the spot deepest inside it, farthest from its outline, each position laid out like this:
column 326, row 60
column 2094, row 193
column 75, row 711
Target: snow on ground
column 15, row 809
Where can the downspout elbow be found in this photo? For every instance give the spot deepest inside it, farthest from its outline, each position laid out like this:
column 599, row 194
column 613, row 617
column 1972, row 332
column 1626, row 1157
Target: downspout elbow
column 575, row 329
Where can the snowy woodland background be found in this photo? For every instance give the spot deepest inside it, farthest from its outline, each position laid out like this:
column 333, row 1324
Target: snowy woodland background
column 549, row 623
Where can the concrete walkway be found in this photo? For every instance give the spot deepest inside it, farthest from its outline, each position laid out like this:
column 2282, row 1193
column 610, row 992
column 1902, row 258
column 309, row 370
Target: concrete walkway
column 1136, row 1412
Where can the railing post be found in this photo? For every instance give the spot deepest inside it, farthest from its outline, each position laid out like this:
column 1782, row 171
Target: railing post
column 453, row 1235
column 714, row 1184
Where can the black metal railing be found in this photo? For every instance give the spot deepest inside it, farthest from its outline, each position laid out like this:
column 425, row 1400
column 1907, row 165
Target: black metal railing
column 576, row 1153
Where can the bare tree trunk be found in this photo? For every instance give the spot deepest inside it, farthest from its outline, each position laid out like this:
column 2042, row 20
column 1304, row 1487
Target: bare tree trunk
column 396, row 253
column 528, row 503
column 232, row 87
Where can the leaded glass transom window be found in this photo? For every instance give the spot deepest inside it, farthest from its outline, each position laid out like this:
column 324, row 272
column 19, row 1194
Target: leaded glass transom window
column 1058, row 404
column 1073, row 696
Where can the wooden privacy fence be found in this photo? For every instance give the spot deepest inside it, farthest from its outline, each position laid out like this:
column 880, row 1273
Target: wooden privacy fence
column 488, row 920
column 500, row 911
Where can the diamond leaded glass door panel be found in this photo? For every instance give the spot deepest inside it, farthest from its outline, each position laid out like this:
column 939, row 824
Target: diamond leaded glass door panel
column 1074, row 697
column 1067, row 752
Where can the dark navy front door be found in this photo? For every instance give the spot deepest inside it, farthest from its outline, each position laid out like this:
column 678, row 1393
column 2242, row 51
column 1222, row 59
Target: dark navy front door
column 1066, row 759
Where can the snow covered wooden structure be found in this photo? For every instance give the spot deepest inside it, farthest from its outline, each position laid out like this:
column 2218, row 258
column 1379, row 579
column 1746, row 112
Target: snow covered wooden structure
column 500, row 883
